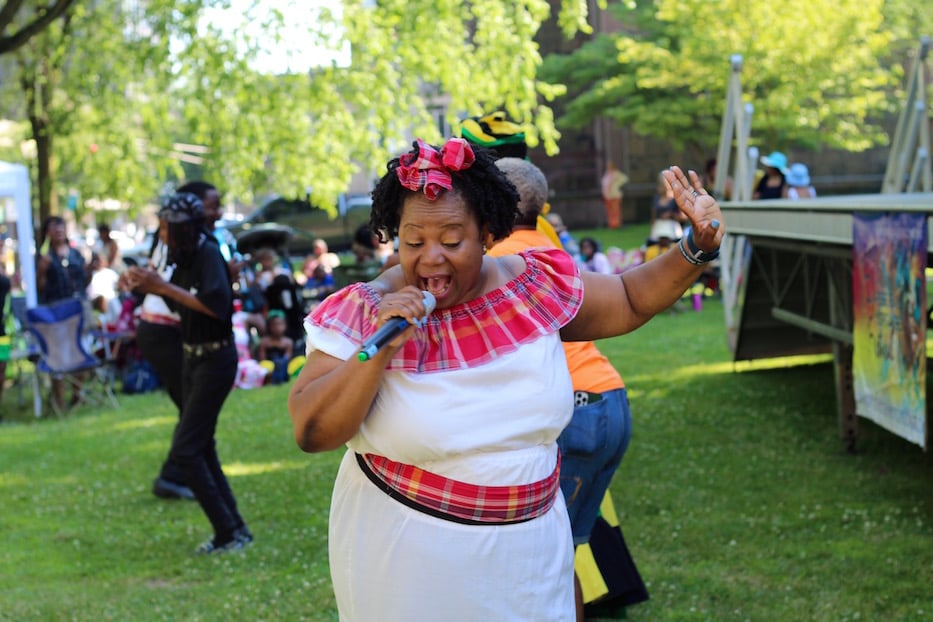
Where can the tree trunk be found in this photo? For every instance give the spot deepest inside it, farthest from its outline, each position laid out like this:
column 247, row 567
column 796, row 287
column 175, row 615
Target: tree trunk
column 45, row 180
column 36, row 24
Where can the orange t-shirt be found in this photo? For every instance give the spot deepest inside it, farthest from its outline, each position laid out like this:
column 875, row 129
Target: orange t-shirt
column 589, row 369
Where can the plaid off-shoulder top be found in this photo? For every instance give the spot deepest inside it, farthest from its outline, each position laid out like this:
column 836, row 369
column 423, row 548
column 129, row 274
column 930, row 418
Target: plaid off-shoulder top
column 539, row 301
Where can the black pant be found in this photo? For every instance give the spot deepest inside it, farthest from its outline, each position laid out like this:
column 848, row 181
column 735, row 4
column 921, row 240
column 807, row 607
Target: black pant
column 160, row 344
column 206, row 382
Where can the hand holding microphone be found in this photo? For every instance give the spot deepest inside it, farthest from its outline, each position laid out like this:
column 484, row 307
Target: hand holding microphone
column 392, row 329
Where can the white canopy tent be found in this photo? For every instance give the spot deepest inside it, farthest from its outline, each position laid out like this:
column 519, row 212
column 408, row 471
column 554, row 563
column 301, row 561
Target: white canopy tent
column 14, row 183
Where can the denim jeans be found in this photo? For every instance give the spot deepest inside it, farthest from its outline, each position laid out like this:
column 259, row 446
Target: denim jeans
column 206, row 380
column 280, row 372
column 592, row 446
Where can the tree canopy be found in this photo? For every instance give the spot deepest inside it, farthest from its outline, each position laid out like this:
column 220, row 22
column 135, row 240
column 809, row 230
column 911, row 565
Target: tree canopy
column 17, row 25
column 818, row 72
column 111, row 90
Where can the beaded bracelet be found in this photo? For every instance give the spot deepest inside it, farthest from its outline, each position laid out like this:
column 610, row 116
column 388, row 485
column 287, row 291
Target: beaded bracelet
column 695, row 255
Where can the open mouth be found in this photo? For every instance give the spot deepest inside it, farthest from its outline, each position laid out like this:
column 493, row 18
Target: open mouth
column 437, row 285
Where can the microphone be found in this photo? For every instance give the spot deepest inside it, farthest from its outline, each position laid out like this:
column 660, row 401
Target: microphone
column 392, row 329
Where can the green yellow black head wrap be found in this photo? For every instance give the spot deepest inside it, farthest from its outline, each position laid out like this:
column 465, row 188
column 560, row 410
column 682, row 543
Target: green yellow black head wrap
column 495, row 132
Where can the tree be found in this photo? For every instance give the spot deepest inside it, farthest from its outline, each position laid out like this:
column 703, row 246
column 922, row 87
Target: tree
column 39, row 20
column 813, row 69
column 110, row 87
column 290, row 132
column 85, row 83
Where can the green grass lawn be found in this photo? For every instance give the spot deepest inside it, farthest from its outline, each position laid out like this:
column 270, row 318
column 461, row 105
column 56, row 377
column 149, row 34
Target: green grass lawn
column 735, row 497
column 628, row 237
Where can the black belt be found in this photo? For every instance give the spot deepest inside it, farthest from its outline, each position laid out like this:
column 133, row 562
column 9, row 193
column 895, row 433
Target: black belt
column 208, row 347
column 582, row 398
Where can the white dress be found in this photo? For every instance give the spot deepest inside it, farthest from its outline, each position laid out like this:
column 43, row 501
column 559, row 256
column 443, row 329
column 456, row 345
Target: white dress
column 480, row 412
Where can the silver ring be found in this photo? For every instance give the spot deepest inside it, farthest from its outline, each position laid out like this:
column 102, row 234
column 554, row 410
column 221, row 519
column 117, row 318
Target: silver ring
column 695, row 193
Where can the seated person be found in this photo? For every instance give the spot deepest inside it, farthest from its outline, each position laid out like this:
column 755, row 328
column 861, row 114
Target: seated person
column 249, row 373
column 319, row 256
column 323, row 256
column 102, row 291
column 364, row 245
column 622, row 260
column 270, row 267
column 284, row 295
column 566, row 239
column 320, row 284
column 5, row 286
column 593, row 259
column 664, row 233
column 276, row 347
column 368, row 250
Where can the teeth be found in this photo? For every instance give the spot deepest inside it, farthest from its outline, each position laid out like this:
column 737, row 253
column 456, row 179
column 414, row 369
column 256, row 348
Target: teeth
column 436, row 284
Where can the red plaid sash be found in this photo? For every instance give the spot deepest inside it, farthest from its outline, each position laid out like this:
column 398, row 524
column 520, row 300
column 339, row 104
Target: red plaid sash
column 457, row 501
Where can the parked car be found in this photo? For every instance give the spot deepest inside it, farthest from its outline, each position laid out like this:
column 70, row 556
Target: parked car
column 138, row 254
column 310, row 221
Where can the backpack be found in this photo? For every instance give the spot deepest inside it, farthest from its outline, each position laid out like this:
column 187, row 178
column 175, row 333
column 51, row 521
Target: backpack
column 140, row 377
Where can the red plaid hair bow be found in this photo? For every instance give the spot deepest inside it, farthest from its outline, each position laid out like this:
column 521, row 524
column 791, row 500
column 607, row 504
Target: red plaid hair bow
column 430, row 169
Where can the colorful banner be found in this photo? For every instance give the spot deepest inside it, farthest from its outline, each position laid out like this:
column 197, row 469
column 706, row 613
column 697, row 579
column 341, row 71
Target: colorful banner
column 889, row 312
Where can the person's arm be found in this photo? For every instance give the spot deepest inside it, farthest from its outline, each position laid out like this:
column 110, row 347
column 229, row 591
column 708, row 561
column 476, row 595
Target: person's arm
column 42, row 270
column 325, row 415
column 261, row 352
column 618, row 304
column 759, row 186
column 388, row 280
column 112, row 251
column 614, row 305
column 147, row 281
column 289, row 347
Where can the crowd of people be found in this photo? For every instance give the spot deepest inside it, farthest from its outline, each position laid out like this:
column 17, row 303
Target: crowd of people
column 431, row 466
column 776, row 179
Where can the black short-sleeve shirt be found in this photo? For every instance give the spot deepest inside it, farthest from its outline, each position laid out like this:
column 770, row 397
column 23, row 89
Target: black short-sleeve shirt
column 208, row 279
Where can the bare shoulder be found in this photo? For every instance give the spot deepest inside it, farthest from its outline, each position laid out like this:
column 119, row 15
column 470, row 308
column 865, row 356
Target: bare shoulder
column 389, row 280
column 501, row 270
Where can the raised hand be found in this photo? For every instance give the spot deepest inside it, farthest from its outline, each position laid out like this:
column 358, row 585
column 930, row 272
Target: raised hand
column 699, row 206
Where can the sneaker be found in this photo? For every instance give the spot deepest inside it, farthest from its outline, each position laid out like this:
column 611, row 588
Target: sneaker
column 212, row 546
column 165, row 489
column 244, row 535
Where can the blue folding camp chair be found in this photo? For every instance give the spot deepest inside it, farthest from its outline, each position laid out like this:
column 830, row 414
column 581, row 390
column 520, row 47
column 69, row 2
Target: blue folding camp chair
column 23, row 349
column 65, row 358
